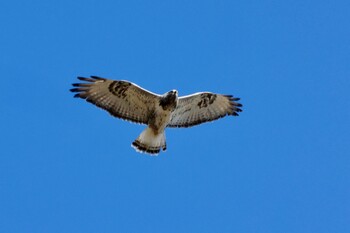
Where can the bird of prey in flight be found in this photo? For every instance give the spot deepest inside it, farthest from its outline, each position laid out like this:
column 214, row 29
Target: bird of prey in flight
column 128, row 101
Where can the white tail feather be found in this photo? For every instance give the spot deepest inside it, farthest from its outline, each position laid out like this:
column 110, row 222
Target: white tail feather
column 149, row 142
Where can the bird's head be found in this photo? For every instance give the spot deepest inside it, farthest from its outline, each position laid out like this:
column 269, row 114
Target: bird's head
column 169, row 100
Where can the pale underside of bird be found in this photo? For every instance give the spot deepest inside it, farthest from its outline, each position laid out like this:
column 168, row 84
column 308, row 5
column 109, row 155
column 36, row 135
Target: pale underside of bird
column 128, row 101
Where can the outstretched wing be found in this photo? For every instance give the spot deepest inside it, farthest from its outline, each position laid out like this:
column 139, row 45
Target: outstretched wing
column 122, row 99
column 203, row 107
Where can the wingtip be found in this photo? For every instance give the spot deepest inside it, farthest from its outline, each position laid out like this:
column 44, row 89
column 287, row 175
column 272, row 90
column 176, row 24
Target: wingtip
column 97, row 77
column 232, row 98
column 78, row 89
column 84, row 79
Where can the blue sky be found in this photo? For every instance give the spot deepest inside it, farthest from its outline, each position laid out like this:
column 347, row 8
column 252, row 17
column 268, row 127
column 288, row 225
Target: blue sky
column 283, row 165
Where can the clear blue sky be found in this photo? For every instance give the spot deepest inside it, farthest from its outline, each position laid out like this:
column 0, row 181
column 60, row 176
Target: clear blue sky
column 283, row 165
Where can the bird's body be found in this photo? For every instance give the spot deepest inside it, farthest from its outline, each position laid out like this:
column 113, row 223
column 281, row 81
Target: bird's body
column 128, row 101
column 152, row 139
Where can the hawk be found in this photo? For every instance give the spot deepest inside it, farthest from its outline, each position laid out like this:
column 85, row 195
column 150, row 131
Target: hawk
column 130, row 102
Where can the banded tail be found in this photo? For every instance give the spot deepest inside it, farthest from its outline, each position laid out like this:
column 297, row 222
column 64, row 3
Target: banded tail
column 149, row 142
